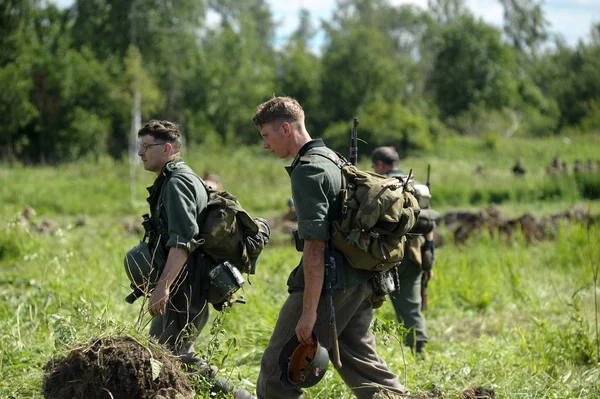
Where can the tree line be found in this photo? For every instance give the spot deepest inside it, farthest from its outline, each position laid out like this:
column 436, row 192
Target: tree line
column 70, row 77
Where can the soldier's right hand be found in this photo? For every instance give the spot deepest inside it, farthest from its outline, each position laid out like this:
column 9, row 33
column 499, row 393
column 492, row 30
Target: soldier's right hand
column 158, row 300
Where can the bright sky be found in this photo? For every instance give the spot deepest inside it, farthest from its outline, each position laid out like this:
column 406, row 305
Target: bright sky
column 572, row 19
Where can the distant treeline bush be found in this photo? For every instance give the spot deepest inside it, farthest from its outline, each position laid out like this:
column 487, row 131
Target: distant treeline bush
column 77, row 80
column 551, row 189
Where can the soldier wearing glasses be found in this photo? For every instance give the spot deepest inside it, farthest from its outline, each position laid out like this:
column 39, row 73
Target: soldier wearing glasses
column 178, row 209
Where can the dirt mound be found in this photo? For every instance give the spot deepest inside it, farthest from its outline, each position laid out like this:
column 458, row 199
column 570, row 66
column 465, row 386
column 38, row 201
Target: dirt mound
column 464, row 224
column 115, row 367
column 477, row 392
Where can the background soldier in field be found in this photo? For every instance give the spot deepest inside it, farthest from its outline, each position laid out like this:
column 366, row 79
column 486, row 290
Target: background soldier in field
column 519, row 168
column 417, row 266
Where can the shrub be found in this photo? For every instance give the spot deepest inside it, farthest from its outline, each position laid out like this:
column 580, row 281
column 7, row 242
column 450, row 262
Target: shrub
column 477, row 197
column 498, row 196
column 490, row 140
column 588, row 185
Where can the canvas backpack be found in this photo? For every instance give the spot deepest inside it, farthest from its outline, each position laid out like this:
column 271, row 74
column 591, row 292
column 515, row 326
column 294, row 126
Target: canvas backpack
column 377, row 213
column 230, row 233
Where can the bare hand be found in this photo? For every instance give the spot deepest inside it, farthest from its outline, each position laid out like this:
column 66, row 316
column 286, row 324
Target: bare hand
column 158, row 300
column 304, row 328
column 429, row 274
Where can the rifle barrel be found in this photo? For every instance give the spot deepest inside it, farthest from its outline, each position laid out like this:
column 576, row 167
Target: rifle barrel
column 428, row 175
column 354, row 143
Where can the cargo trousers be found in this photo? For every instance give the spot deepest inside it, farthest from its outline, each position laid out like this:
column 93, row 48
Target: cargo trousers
column 363, row 371
column 407, row 303
column 185, row 317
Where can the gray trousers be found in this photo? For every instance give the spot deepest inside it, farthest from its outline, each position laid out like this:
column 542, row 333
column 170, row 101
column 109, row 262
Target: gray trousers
column 407, row 303
column 176, row 330
column 363, row 371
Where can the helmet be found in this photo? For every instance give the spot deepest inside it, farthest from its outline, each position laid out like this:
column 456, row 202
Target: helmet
column 138, row 266
column 423, row 195
column 302, row 366
column 224, row 280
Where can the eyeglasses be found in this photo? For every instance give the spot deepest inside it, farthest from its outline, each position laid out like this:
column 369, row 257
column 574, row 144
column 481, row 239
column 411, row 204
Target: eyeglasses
column 144, row 147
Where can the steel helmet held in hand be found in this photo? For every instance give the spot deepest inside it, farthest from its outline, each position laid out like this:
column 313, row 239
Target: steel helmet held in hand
column 302, row 366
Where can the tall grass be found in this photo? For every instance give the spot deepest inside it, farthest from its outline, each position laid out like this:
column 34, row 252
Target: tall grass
column 517, row 318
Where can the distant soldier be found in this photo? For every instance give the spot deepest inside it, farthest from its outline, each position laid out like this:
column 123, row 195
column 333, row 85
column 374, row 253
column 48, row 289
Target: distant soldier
column 564, row 168
column 418, row 259
column 479, row 170
column 519, row 169
column 554, row 167
column 384, row 160
column 578, row 166
column 212, row 180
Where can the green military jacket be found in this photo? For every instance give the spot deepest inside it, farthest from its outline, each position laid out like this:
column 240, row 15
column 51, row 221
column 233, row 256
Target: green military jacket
column 178, row 201
column 316, row 189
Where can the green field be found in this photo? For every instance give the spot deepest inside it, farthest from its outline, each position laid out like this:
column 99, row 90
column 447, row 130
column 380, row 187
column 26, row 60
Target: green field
column 519, row 319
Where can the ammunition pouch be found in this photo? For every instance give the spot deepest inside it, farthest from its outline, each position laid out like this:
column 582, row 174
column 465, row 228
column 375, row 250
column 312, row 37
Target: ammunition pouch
column 334, row 272
column 299, row 242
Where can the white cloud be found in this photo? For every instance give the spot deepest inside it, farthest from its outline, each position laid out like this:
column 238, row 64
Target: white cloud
column 489, row 10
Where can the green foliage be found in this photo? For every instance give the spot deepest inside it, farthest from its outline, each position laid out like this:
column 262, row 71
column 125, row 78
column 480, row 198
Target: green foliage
column 591, row 121
column 525, row 25
column 471, row 52
column 383, row 124
column 538, row 115
column 502, row 314
column 571, row 77
column 70, row 74
column 350, row 56
column 490, row 140
column 14, row 104
column 299, row 76
column 237, row 47
column 588, row 185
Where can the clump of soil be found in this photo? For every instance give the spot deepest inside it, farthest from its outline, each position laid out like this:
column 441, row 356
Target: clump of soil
column 473, row 392
column 115, row 367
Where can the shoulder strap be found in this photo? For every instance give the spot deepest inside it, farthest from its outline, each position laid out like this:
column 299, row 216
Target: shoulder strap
column 334, row 156
column 177, row 169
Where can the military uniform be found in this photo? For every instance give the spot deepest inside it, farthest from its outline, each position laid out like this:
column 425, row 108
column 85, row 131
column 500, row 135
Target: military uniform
column 316, row 184
column 407, row 300
column 178, row 202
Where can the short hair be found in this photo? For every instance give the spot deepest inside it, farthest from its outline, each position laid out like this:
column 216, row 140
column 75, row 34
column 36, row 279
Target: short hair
column 164, row 131
column 278, row 109
column 386, row 154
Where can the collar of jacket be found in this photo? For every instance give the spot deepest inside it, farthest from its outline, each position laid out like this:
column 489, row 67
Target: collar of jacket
column 395, row 172
column 155, row 189
column 305, row 148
